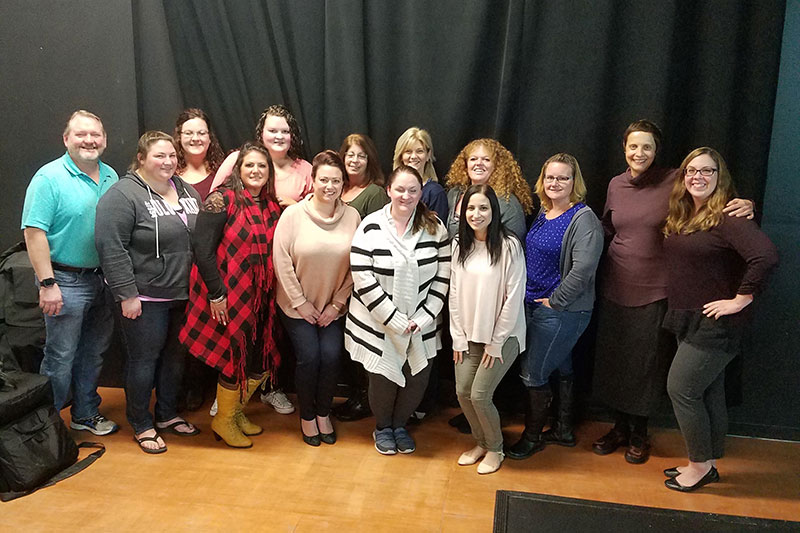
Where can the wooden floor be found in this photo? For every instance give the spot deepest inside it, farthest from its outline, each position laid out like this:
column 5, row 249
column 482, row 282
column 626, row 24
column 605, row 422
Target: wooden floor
column 283, row 485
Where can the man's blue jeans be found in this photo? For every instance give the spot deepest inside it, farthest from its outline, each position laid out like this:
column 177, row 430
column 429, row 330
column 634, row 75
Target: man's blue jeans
column 77, row 338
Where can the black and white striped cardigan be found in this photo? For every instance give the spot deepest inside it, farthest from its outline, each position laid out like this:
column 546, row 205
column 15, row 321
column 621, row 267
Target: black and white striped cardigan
column 396, row 279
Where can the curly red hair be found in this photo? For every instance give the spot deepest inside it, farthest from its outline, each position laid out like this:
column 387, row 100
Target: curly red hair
column 506, row 178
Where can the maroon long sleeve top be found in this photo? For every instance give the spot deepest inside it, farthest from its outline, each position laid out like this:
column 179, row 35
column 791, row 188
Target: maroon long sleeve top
column 732, row 258
column 634, row 215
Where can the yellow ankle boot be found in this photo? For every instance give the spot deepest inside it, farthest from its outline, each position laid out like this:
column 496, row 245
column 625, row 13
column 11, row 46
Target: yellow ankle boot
column 248, row 427
column 224, row 426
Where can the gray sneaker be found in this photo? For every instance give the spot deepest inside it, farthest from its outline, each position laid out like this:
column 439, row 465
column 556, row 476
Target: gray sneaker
column 405, row 444
column 384, row 441
column 98, row 424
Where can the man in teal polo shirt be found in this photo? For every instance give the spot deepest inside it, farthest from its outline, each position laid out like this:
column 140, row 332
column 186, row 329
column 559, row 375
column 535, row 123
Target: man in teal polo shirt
column 58, row 223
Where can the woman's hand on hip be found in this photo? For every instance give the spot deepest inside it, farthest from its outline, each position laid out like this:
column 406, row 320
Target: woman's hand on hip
column 219, row 311
column 132, row 308
column 328, row 315
column 720, row 308
column 488, row 361
column 308, row 312
column 544, row 301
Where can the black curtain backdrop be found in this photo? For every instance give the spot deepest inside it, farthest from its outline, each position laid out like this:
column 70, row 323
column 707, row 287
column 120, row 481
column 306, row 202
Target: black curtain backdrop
column 539, row 76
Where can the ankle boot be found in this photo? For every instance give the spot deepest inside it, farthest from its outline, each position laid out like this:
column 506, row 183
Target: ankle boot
column 535, row 416
column 561, row 432
column 248, row 427
column 224, row 426
column 356, row 409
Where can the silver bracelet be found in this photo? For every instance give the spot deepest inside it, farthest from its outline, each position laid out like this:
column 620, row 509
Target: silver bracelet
column 217, row 300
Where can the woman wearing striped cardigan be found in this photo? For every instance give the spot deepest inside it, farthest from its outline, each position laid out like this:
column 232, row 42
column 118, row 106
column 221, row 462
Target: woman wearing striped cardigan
column 400, row 262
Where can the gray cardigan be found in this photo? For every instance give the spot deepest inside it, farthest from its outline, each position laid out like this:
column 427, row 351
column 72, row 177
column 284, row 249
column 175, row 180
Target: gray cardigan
column 581, row 249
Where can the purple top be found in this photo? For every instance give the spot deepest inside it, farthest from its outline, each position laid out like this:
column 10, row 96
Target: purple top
column 732, row 258
column 634, row 215
column 543, row 252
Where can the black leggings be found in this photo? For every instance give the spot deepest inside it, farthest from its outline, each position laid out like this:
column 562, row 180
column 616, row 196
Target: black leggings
column 393, row 404
column 253, row 367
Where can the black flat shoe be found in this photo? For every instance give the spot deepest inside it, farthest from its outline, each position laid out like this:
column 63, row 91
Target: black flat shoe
column 328, row 438
column 609, row 442
column 672, row 472
column 311, row 441
column 711, row 477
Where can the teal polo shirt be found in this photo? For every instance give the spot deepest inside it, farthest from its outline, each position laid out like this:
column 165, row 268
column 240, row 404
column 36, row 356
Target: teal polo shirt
column 62, row 200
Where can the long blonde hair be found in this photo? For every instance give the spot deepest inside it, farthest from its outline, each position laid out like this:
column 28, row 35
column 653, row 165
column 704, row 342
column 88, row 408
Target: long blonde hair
column 682, row 217
column 506, row 178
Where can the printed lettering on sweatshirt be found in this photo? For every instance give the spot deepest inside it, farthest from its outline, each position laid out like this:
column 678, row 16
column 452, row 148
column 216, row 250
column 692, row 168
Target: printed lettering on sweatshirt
column 160, row 208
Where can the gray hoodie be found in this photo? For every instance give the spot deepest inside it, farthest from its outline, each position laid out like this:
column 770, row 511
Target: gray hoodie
column 145, row 248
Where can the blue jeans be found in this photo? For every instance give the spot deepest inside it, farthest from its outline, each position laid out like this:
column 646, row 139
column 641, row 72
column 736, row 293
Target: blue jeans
column 77, row 338
column 318, row 351
column 155, row 357
column 551, row 336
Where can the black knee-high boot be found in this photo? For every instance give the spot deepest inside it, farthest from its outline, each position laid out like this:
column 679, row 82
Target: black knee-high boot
column 539, row 399
column 562, row 432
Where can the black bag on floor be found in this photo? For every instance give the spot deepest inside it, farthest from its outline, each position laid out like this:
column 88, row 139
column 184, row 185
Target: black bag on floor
column 36, row 449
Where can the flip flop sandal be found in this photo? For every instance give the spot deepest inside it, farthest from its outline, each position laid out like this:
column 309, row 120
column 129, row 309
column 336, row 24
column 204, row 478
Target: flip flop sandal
column 141, row 440
column 171, row 428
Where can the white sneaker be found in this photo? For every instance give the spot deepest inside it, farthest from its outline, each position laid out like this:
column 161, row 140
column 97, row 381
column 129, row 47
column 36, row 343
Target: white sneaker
column 213, row 410
column 98, row 424
column 278, row 400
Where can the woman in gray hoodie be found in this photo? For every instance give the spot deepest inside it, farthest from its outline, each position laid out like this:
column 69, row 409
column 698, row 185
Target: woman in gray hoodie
column 143, row 237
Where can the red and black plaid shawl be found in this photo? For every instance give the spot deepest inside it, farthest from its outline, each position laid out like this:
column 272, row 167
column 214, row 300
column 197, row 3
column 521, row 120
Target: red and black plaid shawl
column 244, row 260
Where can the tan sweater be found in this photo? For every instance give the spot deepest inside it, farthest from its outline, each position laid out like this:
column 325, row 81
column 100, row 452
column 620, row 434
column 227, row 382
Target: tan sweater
column 486, row 301
column 311, row 256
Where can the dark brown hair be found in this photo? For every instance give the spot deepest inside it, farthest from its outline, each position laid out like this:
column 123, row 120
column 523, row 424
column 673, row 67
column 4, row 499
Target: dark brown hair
column 234, row 181
column 423, row 217
column 214, row 154
column 296, row 149
column 647, row 127
column 330, row 158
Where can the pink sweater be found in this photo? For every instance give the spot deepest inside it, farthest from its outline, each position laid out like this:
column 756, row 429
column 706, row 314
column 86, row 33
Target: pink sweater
column 486, row 301
column 311, row 255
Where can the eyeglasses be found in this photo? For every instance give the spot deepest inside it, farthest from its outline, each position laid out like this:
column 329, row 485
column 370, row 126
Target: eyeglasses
column 352, row 155
column 560, row 179
column 706, row 172
column 190, row 134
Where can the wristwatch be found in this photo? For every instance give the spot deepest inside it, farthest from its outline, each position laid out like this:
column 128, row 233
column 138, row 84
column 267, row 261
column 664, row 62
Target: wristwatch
column 48, row 282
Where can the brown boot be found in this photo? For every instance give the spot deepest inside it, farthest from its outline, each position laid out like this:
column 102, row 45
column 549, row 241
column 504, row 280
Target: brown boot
column 248, row 427
column 224, row 426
